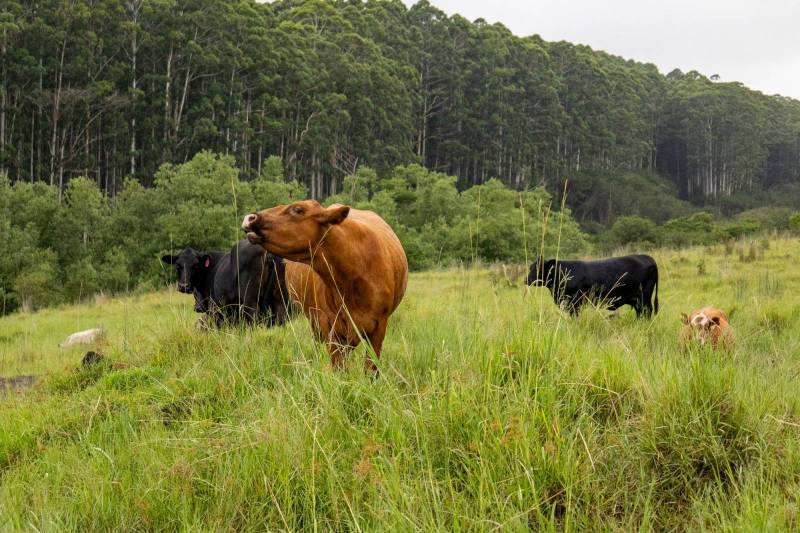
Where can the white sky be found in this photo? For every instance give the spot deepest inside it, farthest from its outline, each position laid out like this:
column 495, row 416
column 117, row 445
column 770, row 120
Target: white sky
column 756, row 42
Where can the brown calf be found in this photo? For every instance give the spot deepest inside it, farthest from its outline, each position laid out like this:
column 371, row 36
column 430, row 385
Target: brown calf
column 707, row 325
column 345, row 267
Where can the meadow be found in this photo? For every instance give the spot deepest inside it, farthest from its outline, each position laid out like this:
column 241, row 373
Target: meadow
column 494, row 411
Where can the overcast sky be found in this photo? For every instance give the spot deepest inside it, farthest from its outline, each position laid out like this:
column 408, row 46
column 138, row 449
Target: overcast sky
column 756, row 42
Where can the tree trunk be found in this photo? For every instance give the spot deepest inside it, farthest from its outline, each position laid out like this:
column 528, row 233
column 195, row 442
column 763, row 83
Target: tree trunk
column 55, row 117
column 179, row 109
column 135, row 7
column 3, row 101
column 167, row 94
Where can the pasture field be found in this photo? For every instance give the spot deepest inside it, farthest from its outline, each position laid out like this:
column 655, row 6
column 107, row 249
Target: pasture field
column 494, row 411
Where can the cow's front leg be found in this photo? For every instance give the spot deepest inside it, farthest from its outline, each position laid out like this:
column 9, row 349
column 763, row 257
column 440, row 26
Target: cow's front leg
column 573, row 305
column 336, row 341
column 338, row 352
column 279, row 314
column 376, row 341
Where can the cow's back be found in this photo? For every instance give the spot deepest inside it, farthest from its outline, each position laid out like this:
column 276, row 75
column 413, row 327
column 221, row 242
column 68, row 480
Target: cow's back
column 613, row 269
column 240, row 276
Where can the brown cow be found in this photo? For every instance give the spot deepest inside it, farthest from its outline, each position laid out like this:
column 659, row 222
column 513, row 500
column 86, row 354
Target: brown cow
column 707, row 325
column 358, row 269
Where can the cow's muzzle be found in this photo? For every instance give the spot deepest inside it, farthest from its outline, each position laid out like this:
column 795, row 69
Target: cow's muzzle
column 184, row 288
column 251, row 227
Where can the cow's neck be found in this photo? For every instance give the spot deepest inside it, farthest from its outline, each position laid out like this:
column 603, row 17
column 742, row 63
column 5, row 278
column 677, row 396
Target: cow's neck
column 210, row 273
column 336, row 260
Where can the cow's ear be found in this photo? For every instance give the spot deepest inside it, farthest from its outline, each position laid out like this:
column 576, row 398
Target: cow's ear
column 685, row 318
column 169, row 259
column 335, row 214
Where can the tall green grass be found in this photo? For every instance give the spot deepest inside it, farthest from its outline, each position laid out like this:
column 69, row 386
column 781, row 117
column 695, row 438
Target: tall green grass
column 494, row 411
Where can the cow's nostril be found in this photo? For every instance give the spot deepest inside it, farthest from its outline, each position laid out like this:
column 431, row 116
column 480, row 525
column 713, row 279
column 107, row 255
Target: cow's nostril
column 249, row 220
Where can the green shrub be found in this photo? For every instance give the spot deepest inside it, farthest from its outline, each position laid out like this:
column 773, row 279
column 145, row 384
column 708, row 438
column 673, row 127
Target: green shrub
column 81, row 280
column 794, row 222
column 634, row 229
column 37, row 286
column 113, row 274
column 603, row 196
column 686, row 231
column 767, row 218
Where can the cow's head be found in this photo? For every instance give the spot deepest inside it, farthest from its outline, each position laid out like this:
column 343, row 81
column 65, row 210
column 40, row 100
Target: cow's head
column 702, row 320
column 295, row 230
column 191, row 267
column 705, row 324
column 542, row 273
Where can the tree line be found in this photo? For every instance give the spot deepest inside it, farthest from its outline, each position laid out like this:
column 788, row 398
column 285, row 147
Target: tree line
column 55, row 251
column 59, row 248
column 110, row 90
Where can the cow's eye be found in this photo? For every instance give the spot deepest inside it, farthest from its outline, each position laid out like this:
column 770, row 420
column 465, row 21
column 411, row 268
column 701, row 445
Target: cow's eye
column 297, row 210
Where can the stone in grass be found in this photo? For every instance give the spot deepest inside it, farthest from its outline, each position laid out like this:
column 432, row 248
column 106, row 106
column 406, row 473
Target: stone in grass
column 83, row 337
column 91, row 358
column 16, row 383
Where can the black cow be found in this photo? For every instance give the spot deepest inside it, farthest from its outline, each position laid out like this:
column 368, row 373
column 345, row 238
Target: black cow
column 629, row 280
column 245, row 284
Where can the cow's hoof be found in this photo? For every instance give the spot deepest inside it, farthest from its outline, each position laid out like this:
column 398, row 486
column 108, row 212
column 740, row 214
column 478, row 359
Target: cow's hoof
column 202, row 324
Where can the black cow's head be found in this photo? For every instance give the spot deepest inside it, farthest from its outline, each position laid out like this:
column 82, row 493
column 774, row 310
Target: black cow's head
column 542, row 273
column 191, row 267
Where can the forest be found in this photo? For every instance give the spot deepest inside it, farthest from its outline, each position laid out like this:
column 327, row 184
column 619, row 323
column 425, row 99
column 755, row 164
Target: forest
column 107, row 90
column 131, row 128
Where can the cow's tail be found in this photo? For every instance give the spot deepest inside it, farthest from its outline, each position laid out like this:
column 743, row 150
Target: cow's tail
column 655, row 300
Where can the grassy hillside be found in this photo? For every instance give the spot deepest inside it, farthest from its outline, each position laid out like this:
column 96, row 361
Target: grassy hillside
column 494, row 412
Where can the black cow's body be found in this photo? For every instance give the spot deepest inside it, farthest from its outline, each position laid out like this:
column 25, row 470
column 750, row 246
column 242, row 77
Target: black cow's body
column 245, row 284
column 629, row 280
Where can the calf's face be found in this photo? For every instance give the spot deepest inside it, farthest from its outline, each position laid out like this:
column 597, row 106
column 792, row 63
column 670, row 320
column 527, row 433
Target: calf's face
column 190, row 265
column 706, row 324
column 293, row 230
column 702, row 319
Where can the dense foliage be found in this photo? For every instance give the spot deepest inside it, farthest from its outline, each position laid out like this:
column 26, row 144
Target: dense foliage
column 109, row 90
column 53, row 251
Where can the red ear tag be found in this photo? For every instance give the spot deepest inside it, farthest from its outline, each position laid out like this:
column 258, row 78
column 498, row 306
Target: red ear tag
column 208, row 261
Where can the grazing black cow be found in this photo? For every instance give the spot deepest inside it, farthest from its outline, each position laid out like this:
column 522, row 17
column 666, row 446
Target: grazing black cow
column 629, row 280
column 245, row 284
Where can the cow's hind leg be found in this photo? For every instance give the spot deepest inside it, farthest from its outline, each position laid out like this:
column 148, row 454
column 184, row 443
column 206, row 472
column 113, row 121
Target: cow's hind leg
column 647, row 300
